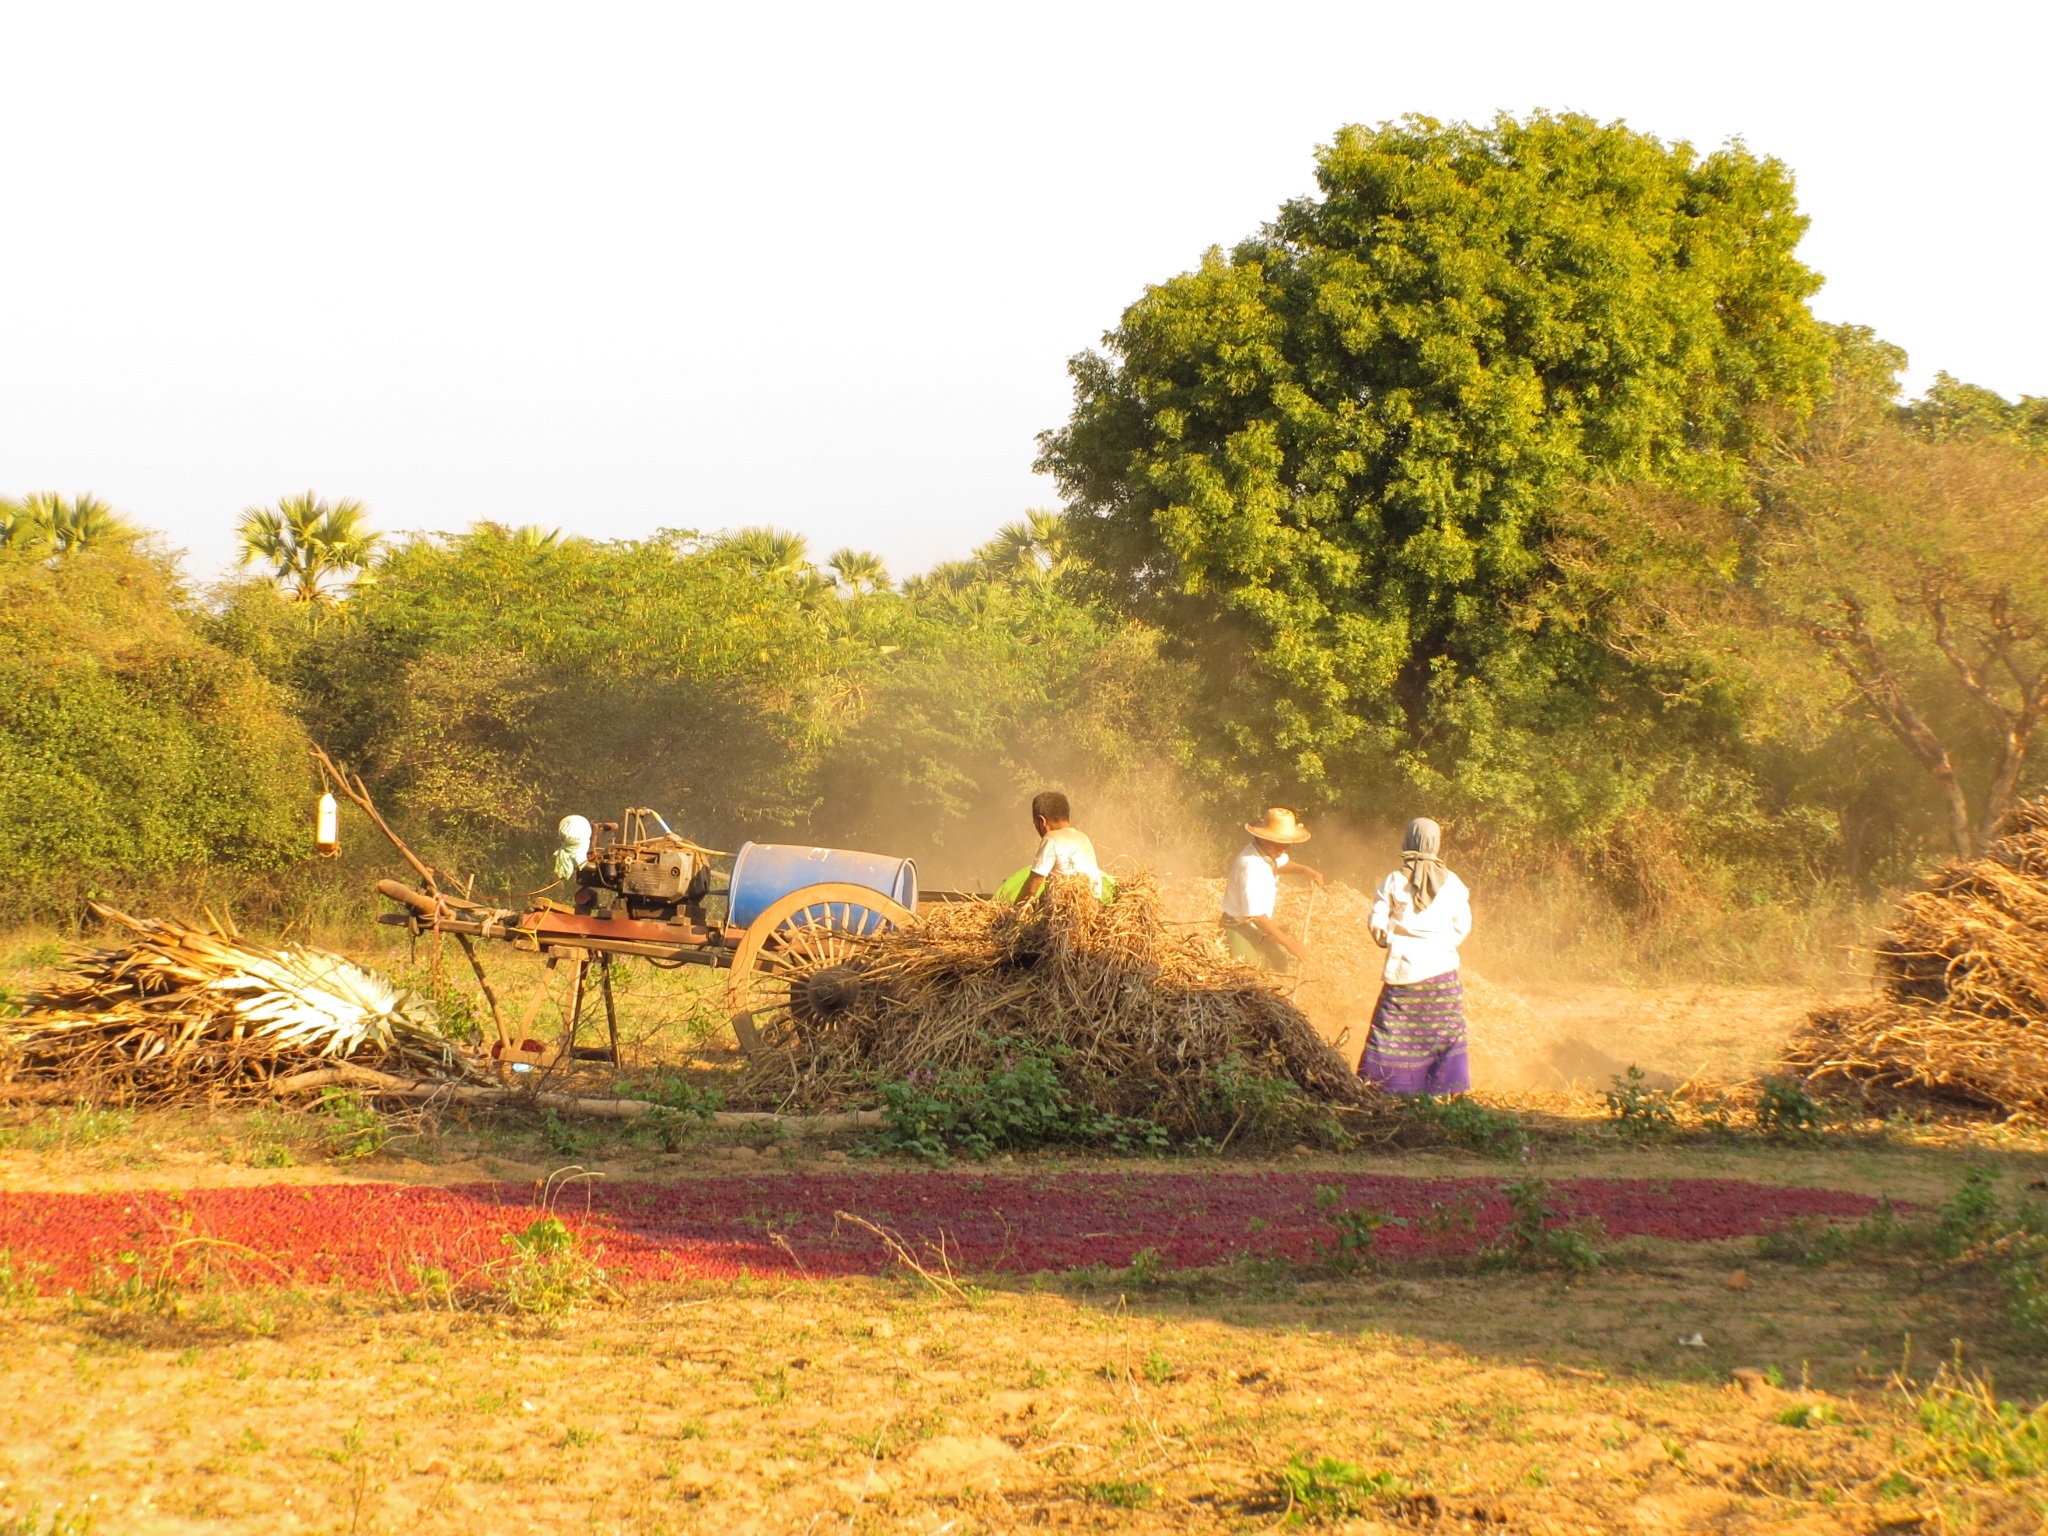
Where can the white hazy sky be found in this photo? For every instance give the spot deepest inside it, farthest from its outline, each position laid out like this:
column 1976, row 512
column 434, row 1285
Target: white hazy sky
column 619, row 267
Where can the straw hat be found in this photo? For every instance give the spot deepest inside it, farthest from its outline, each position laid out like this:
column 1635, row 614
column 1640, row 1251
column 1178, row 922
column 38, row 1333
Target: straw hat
column 1278, row 825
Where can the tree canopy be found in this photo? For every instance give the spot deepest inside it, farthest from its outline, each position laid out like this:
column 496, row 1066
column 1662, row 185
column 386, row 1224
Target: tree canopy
column 1323, row 462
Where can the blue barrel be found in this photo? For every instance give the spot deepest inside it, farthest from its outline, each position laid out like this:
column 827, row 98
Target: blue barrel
column 764, row 873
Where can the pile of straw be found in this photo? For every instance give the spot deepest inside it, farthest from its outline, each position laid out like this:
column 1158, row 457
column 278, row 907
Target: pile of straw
column 183, row 1016
column 1139, row 1015
column 1961, row 1010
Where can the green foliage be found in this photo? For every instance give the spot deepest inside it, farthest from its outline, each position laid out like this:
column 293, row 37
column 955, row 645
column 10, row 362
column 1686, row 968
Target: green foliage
column 1970, row 1214
column 680, row 1109
column 1018, row 1105
column 1323, row 463
column 1974, row 1435
column 1354, row 1230
column 548, row 1273
column 1786, row 1112
column 44, row 524
column 1321, row 1489
column 355, row 1130
column 21, row 1280
column 1812, row 1242
column 1532, row 1240
column 1256, row 1107
column 130, row 748
column 1952, row 409
column 1465, row 1122
column 310, row 545
column 1639, row 1112
column 1123, row 1494
column 62, row 1522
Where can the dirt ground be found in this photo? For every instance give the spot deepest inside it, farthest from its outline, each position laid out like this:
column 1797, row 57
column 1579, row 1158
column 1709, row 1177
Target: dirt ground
column 1099, row 1401
column 1252, row 1398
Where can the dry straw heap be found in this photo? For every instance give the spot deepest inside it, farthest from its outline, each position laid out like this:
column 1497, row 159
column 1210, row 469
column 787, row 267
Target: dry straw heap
column 182, row 1016
column 1962, row 980
column 1140, row 1016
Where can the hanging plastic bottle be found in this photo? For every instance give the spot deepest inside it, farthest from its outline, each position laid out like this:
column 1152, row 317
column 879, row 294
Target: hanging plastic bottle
column 327, row 833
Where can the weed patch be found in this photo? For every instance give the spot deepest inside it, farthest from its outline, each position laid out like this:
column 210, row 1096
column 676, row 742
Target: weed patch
column 1465, row 1122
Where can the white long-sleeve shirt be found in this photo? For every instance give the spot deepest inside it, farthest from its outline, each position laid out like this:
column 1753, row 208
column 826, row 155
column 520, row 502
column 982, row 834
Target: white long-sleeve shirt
column 1420, row 944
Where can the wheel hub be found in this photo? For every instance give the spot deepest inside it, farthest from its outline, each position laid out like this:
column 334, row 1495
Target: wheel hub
column 832, row 990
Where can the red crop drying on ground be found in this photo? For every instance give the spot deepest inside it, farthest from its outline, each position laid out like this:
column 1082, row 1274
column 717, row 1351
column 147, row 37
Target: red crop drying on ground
column 378, row 1234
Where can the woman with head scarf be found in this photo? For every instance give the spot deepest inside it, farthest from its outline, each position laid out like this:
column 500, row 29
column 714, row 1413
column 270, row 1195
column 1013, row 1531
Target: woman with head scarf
column 1420, row 914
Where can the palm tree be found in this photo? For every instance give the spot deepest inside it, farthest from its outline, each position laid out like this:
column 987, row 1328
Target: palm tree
column 1034, row 549
column 44, row 520
column 309, row 544
column 770, row 552
column 858, row 571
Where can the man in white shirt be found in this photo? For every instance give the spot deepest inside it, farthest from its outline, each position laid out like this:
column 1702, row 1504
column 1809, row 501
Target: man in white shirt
column 1063, row 849
column 1252, row 889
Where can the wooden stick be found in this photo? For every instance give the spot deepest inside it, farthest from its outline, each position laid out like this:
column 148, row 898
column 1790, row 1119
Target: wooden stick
column 611, row 1012
column 359, row 795
column 384, row 1084
column 490, row 996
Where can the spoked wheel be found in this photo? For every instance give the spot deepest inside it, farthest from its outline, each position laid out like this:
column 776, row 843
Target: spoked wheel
column 795, row 966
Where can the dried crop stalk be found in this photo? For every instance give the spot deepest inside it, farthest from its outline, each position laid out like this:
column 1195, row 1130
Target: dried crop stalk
column 1138, row 1016
column 183, row 1016
column 1962, row 983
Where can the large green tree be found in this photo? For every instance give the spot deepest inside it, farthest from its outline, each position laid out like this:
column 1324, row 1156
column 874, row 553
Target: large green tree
column 1323, row 462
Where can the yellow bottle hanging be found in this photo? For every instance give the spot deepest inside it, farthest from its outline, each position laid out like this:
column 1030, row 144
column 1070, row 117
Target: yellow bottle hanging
column 327, row 834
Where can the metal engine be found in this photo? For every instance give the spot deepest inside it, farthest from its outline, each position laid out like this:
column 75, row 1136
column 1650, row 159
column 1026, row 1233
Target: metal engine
column 657, row 874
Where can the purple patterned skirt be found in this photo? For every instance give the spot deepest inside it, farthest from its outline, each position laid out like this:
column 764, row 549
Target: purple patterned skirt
column 1417, row 1041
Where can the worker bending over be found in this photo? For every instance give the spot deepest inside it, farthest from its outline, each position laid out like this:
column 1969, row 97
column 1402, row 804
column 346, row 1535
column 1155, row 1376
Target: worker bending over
column 1253, row 887
column 1063, row 848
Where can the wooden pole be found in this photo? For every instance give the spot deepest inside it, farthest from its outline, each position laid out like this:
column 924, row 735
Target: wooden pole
column 490, row 996
column 611, row 1012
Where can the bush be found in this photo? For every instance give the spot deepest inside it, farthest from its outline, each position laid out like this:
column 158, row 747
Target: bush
column 1465, row 1122
column 1530, row 1241
column 131, row 750
column 1639, row 1112
column 548, row 1273
column 1354, row 1229
column 1786, row 1112
column 1019, row 1105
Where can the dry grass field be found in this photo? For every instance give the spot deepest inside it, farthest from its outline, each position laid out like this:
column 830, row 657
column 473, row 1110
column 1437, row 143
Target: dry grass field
column 1249, row 1398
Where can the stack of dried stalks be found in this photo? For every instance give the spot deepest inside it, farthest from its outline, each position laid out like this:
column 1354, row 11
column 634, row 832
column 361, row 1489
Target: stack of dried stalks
column 183, row 1016
column 1962, row 982
column 1139, row 1015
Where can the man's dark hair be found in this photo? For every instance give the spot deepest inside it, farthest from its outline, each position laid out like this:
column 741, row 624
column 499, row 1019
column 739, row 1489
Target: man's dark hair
column 1052, row 805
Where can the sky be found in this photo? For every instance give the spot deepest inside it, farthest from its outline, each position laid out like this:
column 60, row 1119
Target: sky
column 617, row 267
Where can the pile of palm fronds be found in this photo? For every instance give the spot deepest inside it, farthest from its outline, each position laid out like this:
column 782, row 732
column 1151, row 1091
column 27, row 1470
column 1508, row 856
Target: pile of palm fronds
column 1962, row 984
column 180, row 1015
column 1142, row 1019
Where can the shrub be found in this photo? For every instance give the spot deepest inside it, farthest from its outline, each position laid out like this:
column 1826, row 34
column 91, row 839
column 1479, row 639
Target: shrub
column 1465, row 1122
column 1973, row 1434
column 1530, row 1241
column 1354, row 1229
column 354, row 1128
column 1639, row 1111
column 1786, row 1112
column 1020, row 1104
column 548, row 1273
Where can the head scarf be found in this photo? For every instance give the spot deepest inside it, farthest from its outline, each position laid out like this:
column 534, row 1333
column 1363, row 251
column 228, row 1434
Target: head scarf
column 1419, row 850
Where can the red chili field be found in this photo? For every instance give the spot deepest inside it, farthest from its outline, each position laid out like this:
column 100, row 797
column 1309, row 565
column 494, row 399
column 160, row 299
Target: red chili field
column 382, row 1235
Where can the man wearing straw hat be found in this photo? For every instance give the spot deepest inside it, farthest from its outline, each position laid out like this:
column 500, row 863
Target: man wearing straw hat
column 1253, row 887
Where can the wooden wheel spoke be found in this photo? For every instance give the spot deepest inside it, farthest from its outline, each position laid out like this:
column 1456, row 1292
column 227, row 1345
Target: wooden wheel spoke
column 805, row 932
